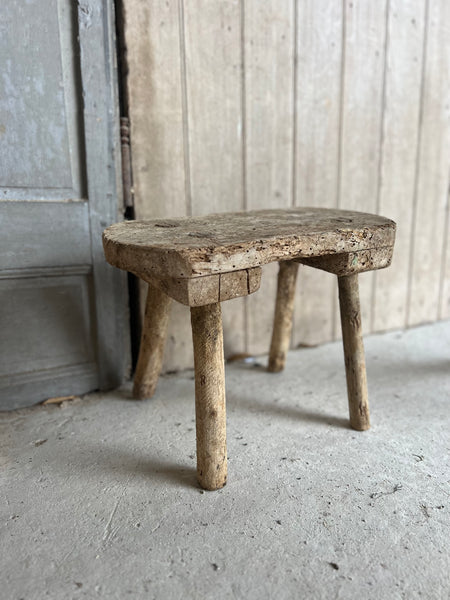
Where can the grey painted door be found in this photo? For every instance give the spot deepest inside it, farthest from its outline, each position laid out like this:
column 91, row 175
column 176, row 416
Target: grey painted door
column 62, row 308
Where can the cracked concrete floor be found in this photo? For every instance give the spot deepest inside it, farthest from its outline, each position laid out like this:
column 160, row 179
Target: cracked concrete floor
column 99, row 500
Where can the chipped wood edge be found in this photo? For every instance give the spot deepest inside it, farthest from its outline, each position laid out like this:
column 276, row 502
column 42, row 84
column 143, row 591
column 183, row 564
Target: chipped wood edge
column 186, row 261
column 200, row 291
column 351, row 262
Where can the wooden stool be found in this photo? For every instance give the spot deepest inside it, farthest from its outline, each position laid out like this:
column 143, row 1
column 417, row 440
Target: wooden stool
column 203, row 261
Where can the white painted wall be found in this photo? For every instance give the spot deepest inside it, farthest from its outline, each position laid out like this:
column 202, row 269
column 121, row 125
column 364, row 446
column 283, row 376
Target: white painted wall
column 244, row 104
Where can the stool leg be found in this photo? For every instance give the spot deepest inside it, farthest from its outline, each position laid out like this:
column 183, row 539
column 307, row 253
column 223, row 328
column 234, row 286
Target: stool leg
column 355, row 366
column 282, row 323
column 210, row 410
column 153, row 339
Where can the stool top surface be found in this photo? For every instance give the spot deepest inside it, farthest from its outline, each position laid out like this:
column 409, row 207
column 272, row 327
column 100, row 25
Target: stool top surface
column 218, row 243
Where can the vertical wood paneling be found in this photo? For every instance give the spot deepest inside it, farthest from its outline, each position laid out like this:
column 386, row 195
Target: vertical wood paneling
column 362, row 98
column 445, row 272
column 406, row 26
column 268, row 34
column 319, row 57
column 242, row 104
column 155, row 104
column 268, row 45
column 432, row 170
column 213, row 71
column 155, row 80
column 212, row 34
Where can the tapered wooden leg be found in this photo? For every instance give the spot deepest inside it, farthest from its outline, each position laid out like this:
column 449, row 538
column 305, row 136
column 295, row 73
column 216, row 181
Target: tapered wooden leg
column 210, row 409
column 153, row 339
column 355, row 366
column 282, row 323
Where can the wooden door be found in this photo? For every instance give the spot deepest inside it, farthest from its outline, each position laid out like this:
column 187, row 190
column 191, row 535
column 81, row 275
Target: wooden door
column 63, row 326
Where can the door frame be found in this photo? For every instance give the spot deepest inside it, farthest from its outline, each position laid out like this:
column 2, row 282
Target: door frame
column 99, row 82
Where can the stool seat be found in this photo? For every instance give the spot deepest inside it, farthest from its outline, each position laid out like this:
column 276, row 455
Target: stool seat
column 203, row 261
column 198, row 246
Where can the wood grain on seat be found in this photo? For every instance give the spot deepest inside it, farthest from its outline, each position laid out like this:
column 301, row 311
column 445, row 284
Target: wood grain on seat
column 198, row 246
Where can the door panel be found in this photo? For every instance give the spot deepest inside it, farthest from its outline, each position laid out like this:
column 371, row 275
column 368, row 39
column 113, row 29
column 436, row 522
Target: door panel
column 49, row 328
column 63, row 310
column 41, row 111
column 37, row 234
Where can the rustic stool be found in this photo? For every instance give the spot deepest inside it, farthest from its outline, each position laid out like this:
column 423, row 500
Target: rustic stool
column 203, row 261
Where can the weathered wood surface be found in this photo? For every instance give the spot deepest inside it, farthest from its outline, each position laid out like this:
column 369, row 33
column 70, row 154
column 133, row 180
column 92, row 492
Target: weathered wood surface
column 430, row 224
column 259, row 311
column 103, row 174
column 355, row 365
column 155, row 96
column 268, row 32
column 351, row 262
column 269, row 29
column 211, row 38
column 194, row 247
column 282, row 323
column 210, row 409
column 210, row 42
column 364, row 44
column 64, row 326
column 357, row 90
column 198, row 291
column 153, row 340
column 157, row 111
column 402, row 99
column 317, row 146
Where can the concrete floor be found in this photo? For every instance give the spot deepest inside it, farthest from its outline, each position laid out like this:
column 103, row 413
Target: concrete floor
column 99, row 498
